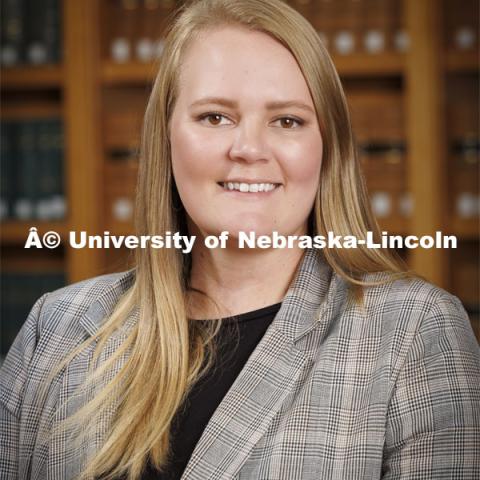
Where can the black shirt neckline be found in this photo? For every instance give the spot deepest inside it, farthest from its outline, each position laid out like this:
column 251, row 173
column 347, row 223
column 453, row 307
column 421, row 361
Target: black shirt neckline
column 247, row 316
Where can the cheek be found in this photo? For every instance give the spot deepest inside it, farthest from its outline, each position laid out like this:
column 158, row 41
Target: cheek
column 303, row 165
column 194, row 156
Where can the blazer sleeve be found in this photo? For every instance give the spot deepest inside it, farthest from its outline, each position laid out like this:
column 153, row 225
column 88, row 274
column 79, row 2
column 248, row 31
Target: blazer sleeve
column 433, row 419
column 13, row 377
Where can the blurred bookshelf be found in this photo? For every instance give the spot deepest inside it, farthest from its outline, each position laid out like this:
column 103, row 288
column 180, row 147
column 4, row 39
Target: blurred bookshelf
column 410, row 71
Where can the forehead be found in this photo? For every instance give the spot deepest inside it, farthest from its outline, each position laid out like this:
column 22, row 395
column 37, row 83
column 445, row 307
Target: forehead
column 236, row 62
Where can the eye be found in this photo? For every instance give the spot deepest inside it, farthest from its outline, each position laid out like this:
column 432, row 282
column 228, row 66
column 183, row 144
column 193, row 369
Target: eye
column 213, row 118
column 289, row 122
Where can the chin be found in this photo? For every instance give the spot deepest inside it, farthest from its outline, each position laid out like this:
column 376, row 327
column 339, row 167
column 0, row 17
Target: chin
column 260, row 223
column 257, row 229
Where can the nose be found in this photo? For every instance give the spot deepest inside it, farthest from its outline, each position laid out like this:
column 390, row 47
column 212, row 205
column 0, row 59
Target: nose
column 250, row 143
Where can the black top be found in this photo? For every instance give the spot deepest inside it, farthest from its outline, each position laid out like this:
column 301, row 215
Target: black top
column 233, row 352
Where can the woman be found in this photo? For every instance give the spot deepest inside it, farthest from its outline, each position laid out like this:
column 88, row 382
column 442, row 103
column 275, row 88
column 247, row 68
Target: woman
column 328, row 364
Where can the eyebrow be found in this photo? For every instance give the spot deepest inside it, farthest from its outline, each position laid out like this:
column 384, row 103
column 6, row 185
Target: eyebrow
column 270, row 105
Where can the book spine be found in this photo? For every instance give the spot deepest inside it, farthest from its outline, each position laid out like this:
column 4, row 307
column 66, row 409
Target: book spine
column 24, row 208
column 123, row 34
column 13, row 32
column 376, row 26
column 44, row 164
column 51, row 32
column 5, row 170
column 42, row 31
column 14, row 162
column 57, row 199
column 148, row 30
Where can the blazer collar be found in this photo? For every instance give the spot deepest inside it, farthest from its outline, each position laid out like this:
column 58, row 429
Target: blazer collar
column 315, row 296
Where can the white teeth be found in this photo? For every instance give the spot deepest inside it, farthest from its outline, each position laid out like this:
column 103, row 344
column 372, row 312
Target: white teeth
column 246, row 187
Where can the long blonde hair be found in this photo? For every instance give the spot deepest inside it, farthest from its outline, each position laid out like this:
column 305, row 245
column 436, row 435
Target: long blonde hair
column 166, row 354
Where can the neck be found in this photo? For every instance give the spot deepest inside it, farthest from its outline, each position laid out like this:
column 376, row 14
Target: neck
column 239, row 280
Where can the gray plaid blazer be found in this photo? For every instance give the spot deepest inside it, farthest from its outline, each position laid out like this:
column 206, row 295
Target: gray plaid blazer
column 332, row 391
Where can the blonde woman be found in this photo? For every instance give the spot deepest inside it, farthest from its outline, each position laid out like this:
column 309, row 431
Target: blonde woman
column 252, row 363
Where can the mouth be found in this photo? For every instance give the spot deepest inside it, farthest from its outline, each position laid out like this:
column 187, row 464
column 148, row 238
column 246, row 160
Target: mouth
column 249, row 187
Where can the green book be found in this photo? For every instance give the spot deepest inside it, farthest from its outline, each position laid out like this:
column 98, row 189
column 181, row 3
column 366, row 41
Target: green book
column 42, row 31
column 7, row 130
column 12, row 32
column 27, row 173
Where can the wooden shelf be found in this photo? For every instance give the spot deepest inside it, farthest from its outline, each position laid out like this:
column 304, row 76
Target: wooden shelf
column 21, row 78
column 365, row 65
column 120, row 228
column 466, row 229
column 34, row 261
column 394, row 226
column 16, row 232
column 462, row 62
column 132, row 73
column 31, row 110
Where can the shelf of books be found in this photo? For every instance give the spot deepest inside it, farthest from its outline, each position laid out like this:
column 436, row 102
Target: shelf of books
column 32, row 191
column 463, row 152
column 74, row 91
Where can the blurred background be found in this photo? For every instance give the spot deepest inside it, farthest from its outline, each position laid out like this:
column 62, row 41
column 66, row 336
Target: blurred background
column 75, row 79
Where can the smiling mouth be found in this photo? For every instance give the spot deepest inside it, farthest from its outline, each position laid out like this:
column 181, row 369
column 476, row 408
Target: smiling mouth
column 248, row 187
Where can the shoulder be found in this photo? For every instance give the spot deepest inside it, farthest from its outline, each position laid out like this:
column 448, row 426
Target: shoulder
column 57, row 322
column 83, row 293
column 93, row 298
column 433, row 364
column 417, row 318
column 414, row 298
column 67, row 315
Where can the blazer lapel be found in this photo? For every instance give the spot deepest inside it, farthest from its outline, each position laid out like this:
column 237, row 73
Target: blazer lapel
column 278, row 364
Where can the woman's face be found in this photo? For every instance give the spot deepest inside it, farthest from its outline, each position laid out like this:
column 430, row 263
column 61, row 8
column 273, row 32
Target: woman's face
column 244, row 119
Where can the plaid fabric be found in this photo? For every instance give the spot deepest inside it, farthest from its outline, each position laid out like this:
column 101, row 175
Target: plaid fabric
column 334, row 390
